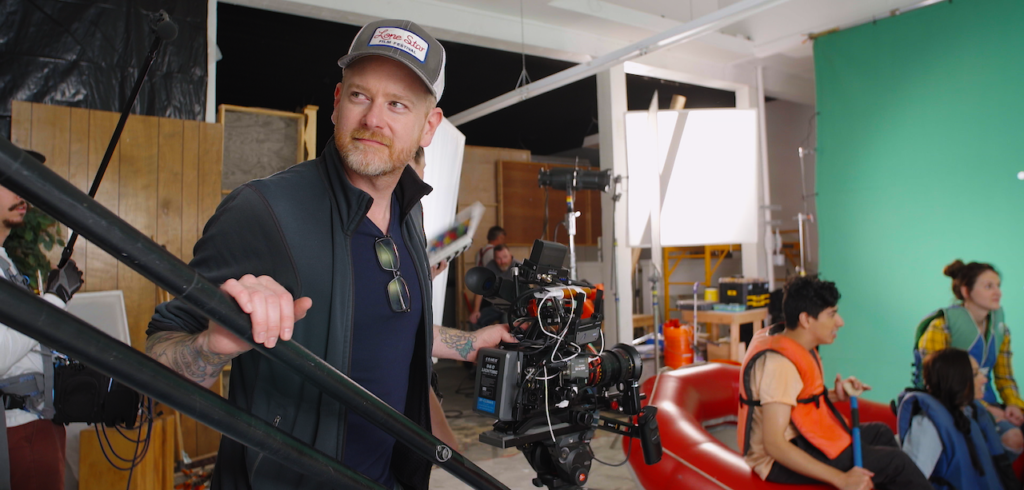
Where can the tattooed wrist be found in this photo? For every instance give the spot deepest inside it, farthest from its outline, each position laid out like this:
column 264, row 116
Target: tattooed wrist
column 459, row 341
column 187, row 354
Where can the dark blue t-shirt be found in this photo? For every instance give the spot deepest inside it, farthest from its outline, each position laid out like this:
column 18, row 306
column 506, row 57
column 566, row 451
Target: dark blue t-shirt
column 382, row 345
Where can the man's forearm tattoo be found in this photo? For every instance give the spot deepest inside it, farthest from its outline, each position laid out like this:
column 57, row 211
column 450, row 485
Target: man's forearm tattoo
column 184, row 353
column 458, row 340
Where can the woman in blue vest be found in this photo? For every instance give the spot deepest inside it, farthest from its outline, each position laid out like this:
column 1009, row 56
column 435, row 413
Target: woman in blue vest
column 947, row 432
column 976, row 325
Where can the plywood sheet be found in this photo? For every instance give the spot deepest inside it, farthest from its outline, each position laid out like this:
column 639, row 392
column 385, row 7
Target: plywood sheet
column 523, row 208
column 169, row 185
column 138, row 206
column 257, row 145
column 101, row 266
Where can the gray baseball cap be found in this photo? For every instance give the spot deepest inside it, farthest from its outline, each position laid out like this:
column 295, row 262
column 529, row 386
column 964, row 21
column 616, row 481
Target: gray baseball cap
column 404, row 41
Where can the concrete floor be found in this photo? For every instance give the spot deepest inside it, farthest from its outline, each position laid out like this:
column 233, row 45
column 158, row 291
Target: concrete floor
column 508, row 465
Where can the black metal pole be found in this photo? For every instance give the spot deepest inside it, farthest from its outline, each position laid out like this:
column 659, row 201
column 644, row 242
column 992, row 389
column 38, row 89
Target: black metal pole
column 125, row 110
column 37, row 318
column 62, row 200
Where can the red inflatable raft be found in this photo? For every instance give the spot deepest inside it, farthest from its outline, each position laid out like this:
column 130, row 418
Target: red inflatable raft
column 693, row 398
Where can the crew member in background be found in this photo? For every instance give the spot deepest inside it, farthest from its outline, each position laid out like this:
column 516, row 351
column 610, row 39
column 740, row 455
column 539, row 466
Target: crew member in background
column 34, row 456
column 439, row 426
column 495, row 237
column 484, row 313
column 419, row 164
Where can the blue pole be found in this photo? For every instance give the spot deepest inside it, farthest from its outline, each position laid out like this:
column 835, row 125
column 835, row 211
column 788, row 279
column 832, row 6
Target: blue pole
column 858, row 458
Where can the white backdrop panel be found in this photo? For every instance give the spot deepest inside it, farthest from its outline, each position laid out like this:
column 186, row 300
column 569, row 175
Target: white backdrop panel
column 708, row 183
column 444, row 168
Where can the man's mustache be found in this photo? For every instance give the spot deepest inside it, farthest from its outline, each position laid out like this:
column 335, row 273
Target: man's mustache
column 366, row 134
column 18, row 205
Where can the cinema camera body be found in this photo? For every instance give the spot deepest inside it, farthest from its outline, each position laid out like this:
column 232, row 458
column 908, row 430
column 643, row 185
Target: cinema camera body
column 551, row 391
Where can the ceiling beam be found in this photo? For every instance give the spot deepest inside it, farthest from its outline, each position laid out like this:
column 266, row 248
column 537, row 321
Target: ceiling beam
column 685, row 32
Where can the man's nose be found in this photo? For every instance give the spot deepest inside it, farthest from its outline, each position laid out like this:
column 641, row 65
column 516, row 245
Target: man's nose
column 374, row 117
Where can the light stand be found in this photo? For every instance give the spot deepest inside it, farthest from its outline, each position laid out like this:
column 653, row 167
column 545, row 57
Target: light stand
column 804, row 216
column 571, row 180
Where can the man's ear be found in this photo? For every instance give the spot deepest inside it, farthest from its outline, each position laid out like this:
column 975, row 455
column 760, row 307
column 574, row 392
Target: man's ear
column 337, row 99
column 433, row 121
column 805, row 319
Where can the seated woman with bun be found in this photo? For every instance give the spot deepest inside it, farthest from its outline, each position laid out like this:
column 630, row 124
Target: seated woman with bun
column 976, row 325
column 948, row 434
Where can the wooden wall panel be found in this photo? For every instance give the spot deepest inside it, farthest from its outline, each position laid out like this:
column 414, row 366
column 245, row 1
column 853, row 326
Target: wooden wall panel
column 211, row 150
column 169, row 185
column 78, row 174
column 21, row 123
column 138, row 206
column 189, row 189
column 522, row 207
column 479, row 182
column 163, row 178
column 101, row 266
column 51, row 130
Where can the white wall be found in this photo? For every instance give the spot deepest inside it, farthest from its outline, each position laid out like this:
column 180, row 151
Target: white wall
column 789, row 126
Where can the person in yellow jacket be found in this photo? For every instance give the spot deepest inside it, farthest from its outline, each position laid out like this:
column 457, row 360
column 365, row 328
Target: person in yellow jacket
column 788, row 430
column 977, row 325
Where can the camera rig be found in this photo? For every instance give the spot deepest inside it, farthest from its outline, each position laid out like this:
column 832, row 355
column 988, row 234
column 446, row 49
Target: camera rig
column 553, row 389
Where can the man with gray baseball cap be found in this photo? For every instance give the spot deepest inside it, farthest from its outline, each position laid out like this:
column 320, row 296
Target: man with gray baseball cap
column 331, row 254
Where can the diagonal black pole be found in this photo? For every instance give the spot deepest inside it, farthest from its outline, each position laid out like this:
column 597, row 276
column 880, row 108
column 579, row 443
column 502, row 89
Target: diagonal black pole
column 62, row 200
column 56, row 328
column 165, row 31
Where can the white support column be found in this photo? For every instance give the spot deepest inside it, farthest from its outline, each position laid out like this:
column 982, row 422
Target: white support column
column 611, row 110
column 754, row 262
column 211, row 61
column 764, row 228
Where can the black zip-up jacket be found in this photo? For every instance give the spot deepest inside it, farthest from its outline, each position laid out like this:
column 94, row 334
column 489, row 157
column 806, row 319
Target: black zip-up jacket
column 296, row 227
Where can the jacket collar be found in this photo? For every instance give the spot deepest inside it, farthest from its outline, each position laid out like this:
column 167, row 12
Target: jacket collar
column 353, row 203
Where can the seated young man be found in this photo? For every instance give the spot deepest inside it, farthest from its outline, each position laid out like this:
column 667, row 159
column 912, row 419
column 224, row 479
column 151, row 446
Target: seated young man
column 789, row 432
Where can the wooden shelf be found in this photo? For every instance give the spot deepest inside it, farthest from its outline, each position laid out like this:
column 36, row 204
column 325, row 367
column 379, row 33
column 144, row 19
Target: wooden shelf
column 715, row 319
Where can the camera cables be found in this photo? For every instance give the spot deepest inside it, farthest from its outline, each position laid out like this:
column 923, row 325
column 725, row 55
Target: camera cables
column 141, row 441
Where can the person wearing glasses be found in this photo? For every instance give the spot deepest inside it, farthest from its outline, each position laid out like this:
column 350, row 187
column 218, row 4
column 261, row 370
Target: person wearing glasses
column 331, row 254
column 977, row 325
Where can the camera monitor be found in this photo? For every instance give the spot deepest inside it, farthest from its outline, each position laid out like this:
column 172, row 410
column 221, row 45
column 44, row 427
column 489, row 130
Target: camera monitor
column 548, row 254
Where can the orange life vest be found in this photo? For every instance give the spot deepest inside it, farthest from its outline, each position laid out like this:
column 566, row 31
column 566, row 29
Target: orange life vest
column 814, row 416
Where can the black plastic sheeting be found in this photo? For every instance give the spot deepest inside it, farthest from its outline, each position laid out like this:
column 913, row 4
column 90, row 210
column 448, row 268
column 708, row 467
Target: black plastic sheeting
column 83, row 53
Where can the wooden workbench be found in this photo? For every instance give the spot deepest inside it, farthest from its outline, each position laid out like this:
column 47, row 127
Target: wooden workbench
column 714, row 319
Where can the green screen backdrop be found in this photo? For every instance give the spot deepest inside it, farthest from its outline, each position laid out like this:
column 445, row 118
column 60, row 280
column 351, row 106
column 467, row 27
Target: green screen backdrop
column 920, row 139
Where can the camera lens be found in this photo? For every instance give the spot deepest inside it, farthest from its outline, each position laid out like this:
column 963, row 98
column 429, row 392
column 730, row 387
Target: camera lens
column 616, row 365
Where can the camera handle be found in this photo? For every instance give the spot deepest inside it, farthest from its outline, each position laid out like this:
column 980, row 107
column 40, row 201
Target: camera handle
column 645, row 430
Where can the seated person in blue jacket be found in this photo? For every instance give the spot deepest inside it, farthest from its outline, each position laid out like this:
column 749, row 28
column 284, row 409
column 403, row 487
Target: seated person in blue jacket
column 789, row 431
column 947, row 432
column 976, row 324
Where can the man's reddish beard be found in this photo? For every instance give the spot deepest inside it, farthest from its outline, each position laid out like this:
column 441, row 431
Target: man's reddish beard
column 368, row 160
